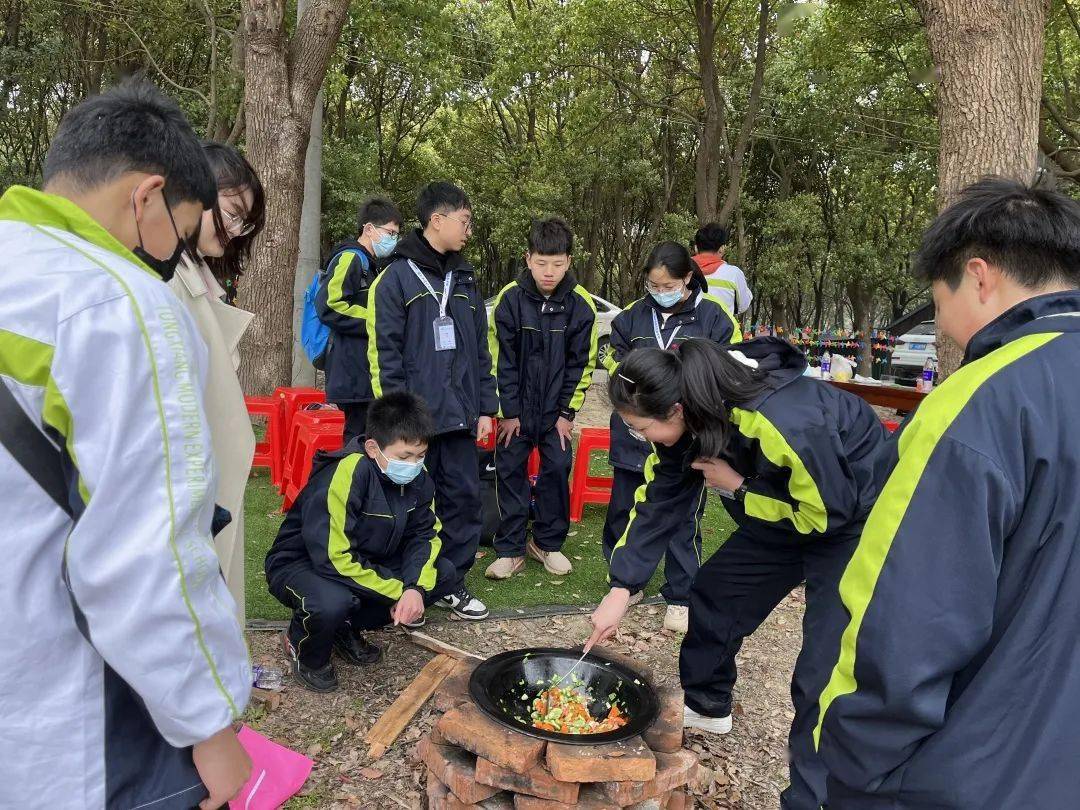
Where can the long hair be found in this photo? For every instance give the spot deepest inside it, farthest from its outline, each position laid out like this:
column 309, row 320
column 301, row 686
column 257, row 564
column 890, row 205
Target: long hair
column 701, row 376
column 234, row 174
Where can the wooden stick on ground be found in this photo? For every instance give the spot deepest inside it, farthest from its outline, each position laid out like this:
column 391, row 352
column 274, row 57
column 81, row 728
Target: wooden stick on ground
column 408, row 703
column 435, row 645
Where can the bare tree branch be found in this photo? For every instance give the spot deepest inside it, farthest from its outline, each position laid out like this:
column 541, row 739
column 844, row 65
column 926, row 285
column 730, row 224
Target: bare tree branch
column 161, row 71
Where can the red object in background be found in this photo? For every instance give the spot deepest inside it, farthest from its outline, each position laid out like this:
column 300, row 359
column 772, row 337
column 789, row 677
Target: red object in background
column 490, row 441
column 292, row 400
column 891, row 425
column 585, row 488
column 312, row 430
column 270, row 451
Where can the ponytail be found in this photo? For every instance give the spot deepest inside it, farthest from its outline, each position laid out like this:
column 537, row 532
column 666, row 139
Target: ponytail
column 701, row 375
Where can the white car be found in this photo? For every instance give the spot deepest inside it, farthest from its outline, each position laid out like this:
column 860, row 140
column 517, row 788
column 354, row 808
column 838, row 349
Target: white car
column 912, row 350
column 605, row 314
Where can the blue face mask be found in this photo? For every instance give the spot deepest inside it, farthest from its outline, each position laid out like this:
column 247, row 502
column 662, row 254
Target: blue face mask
column 667, row 299
column 384, row 245
column 402, row 472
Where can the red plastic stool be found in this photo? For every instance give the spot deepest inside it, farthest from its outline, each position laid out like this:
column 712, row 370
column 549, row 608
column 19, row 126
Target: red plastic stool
column 310, row 439
column 891, row 425
column 324, row 418
column 292, row 400
column 268, row 452
column 585, row 488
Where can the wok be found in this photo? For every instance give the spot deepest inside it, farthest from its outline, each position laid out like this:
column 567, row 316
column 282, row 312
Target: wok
column 496, row 686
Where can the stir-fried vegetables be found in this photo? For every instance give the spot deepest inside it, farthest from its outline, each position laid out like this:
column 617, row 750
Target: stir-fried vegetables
column 566, row 709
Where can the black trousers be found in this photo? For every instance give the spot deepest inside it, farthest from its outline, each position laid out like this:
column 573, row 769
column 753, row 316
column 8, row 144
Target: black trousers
column 325, row 606
column 552, row 520
column 452, row 465
column 683, row 556
column 355, row 419
column 734, row 592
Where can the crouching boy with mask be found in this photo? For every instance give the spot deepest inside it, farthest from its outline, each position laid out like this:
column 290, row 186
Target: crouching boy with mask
column 360, row 547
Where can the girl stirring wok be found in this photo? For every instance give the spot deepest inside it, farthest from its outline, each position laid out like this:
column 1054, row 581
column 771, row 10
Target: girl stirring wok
column 793, row 457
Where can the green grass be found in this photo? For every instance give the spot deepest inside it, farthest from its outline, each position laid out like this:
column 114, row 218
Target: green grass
column 587, row 584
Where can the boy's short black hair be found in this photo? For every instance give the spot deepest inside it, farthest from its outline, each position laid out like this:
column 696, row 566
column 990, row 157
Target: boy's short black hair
column 551, row 237
column 1032, row 234
column 440, row 197
column 710, row 237
column 132, row 127
column 378, row 211
column 399, row 417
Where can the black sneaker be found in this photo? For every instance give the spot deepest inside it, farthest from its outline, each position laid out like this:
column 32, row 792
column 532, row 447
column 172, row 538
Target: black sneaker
column 464, row 605
column 354, row 649
column 320, row 680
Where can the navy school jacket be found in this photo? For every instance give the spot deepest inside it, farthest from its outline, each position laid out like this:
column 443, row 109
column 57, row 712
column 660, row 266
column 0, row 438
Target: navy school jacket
column 958, row 678
column 700, row 316
column 806, row 448
column 342, row 305
column 357, row 526
column 457, row 384
column 543, row 352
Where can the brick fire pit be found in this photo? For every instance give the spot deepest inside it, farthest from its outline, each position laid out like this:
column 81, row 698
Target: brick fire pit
column 474, row 762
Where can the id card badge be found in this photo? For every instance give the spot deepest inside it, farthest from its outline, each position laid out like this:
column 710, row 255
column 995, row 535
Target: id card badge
column 445, row 339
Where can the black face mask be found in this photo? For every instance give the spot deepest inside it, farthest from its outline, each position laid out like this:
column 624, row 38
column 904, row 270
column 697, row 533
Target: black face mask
column 163, row 267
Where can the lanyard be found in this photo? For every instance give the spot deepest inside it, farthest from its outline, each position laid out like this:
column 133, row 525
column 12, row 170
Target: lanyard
column 659, row 337
column 448, row 282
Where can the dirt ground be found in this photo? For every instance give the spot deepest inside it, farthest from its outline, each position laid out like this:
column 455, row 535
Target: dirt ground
column 747, row 769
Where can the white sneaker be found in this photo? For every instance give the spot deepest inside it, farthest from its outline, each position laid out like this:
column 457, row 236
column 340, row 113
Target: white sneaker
column 713, row 725
column 504, row 567
column 464, row 605
column 677, row 618
column 554, row 562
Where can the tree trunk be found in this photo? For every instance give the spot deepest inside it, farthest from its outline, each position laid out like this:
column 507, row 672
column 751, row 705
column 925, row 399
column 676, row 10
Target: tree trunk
column 862, row 300
column 282, row 79
column 988, row 55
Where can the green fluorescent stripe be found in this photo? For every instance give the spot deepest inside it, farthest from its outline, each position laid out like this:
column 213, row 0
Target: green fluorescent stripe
column 155, row 380
column 723, row 283
column 373, row 338
column 37, row 208
column 916, row 446
column 809, row 515
column 578, row 399
column 639, row 497
column 736, row 328
column 427, row 575
column 339, row 548
column 493, row 343
column 334, row 290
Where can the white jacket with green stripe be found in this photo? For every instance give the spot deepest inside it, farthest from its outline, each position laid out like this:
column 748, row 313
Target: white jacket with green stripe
column 103, row 687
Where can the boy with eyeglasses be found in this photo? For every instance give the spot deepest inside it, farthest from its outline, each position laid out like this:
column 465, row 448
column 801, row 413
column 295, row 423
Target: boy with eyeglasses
column 342, row 305
column 427, row 329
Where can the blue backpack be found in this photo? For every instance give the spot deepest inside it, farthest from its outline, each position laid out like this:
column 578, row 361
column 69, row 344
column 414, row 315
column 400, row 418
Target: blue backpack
column 314, row 334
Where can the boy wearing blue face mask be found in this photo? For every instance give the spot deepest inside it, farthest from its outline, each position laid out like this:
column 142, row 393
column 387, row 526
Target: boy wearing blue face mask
column 360, row 547
column 342, row 305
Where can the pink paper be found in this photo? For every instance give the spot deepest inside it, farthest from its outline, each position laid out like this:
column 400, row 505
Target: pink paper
column 276, row 773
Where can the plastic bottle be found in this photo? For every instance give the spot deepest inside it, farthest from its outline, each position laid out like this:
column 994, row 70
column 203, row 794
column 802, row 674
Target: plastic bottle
column 926, row 379
column 826, row 366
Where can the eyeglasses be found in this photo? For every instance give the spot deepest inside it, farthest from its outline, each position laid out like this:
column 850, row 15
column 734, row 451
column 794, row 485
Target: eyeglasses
column 636, row 433
column 672, row 286
column 387, row 231
column 467, row 224
column 235, row 225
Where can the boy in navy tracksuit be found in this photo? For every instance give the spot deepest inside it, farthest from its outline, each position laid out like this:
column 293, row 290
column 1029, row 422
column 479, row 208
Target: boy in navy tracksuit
column 957, row 684
column 427, row 333
column 360, row 547
column 342, row 305
column 543, row 344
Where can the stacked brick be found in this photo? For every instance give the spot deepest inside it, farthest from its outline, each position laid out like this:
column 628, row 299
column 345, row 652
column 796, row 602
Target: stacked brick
column 473, row 762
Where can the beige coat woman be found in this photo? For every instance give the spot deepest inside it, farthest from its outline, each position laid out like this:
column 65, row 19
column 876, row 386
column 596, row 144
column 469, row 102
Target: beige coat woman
column 222, row 326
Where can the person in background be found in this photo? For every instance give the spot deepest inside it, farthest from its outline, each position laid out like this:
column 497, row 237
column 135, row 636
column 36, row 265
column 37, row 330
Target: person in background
column 957, row 680
column 225, row 236
column 427, row 333
column 360, row 546
column 793, row 459
column 342, row 305
column 726, row 281
column 676, row 307
column 123, row 664
column 543, row 347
